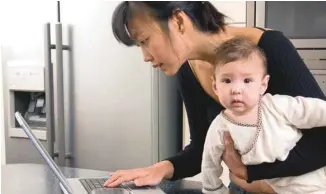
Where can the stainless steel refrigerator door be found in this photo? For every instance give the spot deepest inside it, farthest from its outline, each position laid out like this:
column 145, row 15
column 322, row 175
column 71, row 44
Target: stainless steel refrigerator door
column 22, row 30
column 112, row 116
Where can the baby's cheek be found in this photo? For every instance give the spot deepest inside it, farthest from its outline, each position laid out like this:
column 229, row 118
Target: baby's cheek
column 224, row 101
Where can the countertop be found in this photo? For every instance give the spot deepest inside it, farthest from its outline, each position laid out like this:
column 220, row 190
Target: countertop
column 39, row 179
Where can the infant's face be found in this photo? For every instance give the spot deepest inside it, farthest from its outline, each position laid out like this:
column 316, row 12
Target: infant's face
column 240, row 84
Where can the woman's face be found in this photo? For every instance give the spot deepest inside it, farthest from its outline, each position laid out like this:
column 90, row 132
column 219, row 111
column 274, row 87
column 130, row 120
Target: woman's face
column 163, row 49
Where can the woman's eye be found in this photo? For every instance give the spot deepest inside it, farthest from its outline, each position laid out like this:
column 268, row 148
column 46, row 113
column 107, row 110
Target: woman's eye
column 226, row 81
column 247, row 80
column 143, row 42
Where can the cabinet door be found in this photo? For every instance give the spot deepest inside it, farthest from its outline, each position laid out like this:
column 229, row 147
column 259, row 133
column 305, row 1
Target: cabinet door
column 314, row 59
column 320, row 76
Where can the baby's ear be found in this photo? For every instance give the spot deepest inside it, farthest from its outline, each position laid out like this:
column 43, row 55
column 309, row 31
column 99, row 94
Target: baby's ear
column 264, row 84
column 214, row 85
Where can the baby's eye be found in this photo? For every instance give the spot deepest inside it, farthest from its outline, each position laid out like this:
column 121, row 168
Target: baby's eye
column 226, row 80
column 247, row 80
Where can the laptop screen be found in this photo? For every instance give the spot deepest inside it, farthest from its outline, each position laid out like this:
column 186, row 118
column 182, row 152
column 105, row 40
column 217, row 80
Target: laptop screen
column 43, row 152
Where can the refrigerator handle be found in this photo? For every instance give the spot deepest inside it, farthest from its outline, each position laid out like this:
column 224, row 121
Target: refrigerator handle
column 48, row 82
column 60, row 123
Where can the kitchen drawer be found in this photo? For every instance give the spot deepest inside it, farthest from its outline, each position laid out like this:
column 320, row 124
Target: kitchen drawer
column 312, row 54
column 315, row 64
column 234, row 10
column 320, row 76
column 314, row 59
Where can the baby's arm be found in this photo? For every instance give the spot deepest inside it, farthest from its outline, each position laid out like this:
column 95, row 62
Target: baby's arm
column 211, row 164
column 302, row 112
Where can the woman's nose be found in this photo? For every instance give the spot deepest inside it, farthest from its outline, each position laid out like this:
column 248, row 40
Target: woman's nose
column 147, row 56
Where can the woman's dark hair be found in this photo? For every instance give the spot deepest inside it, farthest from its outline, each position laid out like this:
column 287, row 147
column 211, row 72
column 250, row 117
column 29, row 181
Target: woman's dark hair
column 202, row 13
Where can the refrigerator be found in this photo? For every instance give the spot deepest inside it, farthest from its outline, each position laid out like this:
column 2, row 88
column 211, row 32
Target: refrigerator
column 105, row 108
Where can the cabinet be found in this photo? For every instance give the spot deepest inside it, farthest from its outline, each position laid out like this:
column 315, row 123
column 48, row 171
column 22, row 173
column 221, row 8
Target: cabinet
column 320, row 76
column 316, row 62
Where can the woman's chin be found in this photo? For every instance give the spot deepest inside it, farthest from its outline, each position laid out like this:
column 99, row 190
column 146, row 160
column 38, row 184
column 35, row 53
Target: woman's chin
column 170, row 71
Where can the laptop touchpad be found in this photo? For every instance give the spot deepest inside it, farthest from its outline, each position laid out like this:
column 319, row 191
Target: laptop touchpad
column 110, row 191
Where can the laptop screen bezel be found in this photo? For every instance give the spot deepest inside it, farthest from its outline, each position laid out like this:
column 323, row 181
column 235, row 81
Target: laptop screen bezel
column 54, row 167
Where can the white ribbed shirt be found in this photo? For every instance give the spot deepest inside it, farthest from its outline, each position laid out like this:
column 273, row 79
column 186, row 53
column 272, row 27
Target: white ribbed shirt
column 281, row 116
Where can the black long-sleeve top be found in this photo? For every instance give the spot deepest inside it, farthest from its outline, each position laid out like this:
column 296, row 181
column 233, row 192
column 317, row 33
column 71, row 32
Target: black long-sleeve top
column 288, row 75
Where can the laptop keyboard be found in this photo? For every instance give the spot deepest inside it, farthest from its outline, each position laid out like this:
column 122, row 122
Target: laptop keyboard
column 91, row 184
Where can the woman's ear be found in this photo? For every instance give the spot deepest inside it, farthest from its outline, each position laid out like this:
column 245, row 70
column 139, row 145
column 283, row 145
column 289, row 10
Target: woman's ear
column 181, row 21
column 178, row 20
column 264, row 84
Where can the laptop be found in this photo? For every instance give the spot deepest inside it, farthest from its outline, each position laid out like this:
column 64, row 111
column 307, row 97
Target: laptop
column 91, row 185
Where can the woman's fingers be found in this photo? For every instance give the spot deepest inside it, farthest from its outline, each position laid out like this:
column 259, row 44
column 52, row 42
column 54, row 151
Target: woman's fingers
column 254, row 187
column 141, row 177
column 125, row 176
column 232, row 158
column 112, row 178
column 119, row 177
column 228, row 142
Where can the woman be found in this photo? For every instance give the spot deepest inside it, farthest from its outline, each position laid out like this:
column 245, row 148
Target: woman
column 180, row 38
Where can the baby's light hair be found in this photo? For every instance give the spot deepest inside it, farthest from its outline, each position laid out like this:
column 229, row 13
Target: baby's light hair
column 238, row 49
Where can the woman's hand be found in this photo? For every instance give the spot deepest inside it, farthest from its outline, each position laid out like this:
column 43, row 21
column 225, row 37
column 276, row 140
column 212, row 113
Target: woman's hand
column 232, row 159
column 238, row 174
column 254, row 187
column 152, row 175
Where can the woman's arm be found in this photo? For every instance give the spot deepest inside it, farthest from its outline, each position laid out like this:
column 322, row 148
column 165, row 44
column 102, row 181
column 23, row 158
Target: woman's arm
column 289, row 76
column 188, row 162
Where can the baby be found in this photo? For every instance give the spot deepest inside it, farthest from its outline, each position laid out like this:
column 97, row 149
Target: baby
column 262, row 126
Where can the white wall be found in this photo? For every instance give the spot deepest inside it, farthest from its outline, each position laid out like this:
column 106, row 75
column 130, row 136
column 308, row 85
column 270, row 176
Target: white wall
column 236, row 11
column 2, row 128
